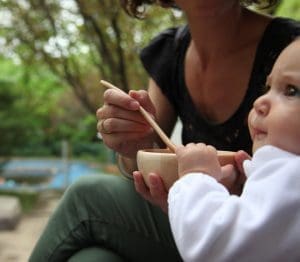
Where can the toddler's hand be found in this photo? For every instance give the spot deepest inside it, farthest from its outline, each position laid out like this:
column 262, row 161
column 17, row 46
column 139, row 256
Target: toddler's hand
column 198, row 158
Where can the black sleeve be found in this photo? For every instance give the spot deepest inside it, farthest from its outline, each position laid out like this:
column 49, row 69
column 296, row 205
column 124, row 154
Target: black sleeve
column 158, row 58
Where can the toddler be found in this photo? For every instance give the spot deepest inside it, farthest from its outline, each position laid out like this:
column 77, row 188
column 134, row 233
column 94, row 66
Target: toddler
column 263, row 223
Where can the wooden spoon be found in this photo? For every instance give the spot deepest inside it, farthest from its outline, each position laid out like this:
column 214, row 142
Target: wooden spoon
column 149, row 119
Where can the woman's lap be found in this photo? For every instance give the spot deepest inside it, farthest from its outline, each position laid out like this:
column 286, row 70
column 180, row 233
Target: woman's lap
column 105, row 211
column 95, row 254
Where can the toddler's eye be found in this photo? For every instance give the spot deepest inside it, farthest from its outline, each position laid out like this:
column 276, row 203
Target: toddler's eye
column 291, row 90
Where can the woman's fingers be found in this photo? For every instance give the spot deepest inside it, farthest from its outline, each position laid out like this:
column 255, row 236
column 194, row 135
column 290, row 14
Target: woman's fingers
column 120, row 114
column 117, row 125
column 120, row 99
column 229, row 176
column 240, row 157
column 120, row 123
column 155, row 193
column 144, row 100
column 140, row 185
column 111, row 111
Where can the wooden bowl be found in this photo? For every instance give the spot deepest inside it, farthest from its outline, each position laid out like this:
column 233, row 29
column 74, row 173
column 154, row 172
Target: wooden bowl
column 164, row 163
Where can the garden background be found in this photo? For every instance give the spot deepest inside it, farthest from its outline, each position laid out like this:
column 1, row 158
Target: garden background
column 53, row 54
column 52, row 57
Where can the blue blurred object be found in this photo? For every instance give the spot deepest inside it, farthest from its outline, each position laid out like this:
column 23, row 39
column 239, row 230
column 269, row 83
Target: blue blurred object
column 42, row 174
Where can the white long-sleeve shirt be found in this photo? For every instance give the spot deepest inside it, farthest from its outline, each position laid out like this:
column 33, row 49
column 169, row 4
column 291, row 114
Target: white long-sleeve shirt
column 261, row 225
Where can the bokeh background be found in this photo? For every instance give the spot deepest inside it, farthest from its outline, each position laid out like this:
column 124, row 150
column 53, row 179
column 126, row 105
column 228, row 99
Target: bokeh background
column 53, row 53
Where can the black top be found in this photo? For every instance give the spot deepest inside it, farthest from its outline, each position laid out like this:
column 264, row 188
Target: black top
column 164, row 57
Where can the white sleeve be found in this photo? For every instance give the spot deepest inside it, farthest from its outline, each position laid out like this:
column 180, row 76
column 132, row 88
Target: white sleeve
column 263, row 224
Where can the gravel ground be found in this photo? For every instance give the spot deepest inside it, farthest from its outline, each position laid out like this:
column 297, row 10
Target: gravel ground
column 16, row 245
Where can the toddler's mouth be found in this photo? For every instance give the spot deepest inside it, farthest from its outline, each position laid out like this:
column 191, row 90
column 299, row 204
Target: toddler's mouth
column 258, row 133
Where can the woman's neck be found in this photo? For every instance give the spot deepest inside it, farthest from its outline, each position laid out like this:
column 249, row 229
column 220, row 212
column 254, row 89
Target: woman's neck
column 216, row 33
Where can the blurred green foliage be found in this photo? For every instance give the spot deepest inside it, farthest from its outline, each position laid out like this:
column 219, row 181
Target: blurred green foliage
column 289, row 8
column 37, row 113
column 52, row 56
column 49, row 91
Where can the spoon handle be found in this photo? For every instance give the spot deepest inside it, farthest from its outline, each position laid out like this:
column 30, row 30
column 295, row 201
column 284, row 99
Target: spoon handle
column 149, row 119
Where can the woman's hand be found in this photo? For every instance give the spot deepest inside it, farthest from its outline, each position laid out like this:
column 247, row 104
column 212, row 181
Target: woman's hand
column 122, row 127
column 233, row 176
column 156, row 193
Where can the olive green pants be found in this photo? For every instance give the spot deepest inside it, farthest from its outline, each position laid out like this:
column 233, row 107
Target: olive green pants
column 102, row 218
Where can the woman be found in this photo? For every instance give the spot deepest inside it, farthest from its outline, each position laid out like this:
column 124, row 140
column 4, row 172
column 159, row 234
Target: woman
column 208, row 74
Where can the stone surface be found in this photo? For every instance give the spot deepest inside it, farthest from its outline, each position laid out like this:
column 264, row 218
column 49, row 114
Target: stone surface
column 10, row 212
column 16, row 245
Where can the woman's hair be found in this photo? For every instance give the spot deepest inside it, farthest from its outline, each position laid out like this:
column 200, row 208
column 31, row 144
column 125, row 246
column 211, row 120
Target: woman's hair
column 136, row 7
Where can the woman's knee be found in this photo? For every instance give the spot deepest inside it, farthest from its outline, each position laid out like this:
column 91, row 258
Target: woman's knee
column 95, row 190
column 95, row 254
column 90, row 185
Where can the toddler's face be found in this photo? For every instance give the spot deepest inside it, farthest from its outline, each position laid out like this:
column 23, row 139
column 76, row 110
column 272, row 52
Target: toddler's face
column 275, row 117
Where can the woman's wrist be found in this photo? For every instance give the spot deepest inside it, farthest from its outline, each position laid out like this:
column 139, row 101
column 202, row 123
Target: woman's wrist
column 126, row 165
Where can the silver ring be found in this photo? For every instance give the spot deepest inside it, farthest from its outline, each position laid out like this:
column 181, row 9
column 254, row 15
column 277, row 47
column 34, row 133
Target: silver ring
column 102, row 128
